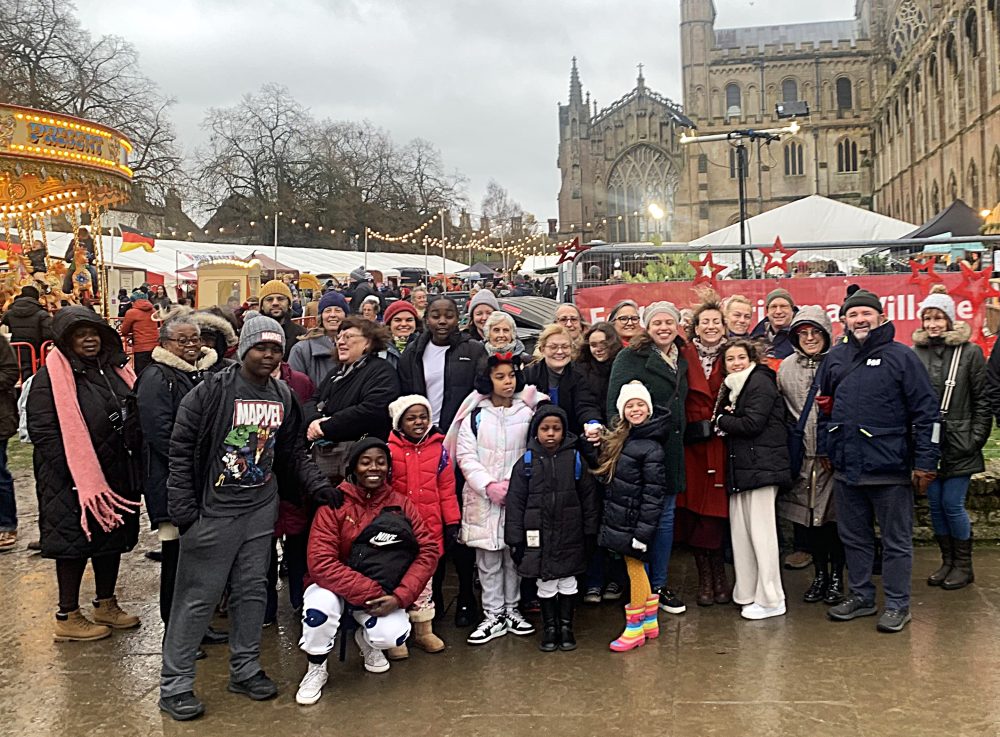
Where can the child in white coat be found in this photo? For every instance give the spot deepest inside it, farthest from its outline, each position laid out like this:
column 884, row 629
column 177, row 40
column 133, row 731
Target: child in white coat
column 492, row 435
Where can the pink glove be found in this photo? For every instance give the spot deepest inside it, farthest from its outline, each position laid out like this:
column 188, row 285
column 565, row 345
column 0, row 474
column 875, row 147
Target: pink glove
column 496, row 492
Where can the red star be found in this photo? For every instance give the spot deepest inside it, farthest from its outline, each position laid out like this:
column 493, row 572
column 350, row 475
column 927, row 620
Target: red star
column 975, row 286
column 700, row 265
column 930, row 276
column 777, row 256
column 570, row 251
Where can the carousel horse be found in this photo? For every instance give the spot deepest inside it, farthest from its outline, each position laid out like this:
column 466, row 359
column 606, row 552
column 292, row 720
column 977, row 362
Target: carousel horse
column 53, row 295
column 83, row 284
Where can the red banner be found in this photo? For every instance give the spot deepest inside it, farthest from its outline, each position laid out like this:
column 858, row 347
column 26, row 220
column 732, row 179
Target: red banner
column 900, row 295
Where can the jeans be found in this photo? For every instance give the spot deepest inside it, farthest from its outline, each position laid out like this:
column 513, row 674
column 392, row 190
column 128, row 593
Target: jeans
column 663, row 542
column 858, row 507
column 8, row 503
column 947, row 501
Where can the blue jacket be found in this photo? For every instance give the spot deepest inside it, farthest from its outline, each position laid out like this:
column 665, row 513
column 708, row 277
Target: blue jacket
column 780, row 347
column 884, row 411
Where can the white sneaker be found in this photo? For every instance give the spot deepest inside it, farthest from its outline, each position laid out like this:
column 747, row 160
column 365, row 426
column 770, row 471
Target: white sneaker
column 375, row 661
column 756, row 611
column 311, row 687
column 489, row 629
column 518, row 625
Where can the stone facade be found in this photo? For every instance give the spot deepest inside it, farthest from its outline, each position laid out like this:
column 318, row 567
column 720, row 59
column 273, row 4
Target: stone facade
column 903, row 99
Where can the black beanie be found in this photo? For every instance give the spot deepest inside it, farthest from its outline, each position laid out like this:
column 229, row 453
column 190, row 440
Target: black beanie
column 29, row 292
column 862, row 298
column 360, row 447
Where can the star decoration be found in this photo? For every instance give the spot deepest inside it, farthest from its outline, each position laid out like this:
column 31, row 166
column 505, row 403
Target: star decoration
column 570, row 251
column 706, row 262
column 975, row 286
column 777, row 256
column 930, row 276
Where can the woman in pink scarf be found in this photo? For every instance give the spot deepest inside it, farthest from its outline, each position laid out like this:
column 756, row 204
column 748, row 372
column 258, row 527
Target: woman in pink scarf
column 86, row 478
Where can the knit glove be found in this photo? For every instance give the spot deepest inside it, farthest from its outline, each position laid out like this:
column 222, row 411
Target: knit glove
column 517, row 553
column 496, row 492
column 330, row 497
column 451, row 536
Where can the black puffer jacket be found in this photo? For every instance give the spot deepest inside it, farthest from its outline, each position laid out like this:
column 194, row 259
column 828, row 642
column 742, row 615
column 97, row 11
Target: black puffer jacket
column 575, row 396
column 460, row 366
column 160, row 389
column 29, row 322
column 597, row 376
column 551, row 500
column 756, row 433
column 357, row 404
column 100, row 393
column 969, row 421
column 633, row 500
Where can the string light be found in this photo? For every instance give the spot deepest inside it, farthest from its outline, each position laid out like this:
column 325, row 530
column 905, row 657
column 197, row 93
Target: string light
column 405, row 236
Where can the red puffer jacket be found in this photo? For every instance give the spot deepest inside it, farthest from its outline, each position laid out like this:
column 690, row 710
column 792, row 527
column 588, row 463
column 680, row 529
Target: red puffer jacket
column 139, row 325
column 426, row 475
column 334, row 531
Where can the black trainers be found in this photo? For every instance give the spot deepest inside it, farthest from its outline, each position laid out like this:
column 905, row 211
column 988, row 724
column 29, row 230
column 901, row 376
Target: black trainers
column 464, row 616
column 851, row 608
column 671, row 603
column 183, row 707
column 893, row 620
column 258, row 687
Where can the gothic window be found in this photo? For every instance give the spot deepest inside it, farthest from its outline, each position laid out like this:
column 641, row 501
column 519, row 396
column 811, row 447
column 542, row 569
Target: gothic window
column 847, row 156
column 973, row 180
column 952, row 187
column 907, row 26
column 733, row 101
column 789, row 91
column 972, row 32
column 935, row 200
column 845, row 94
column 921, row 213
column 933, row 71
column 793, row 160
column 642, row 176
column 734, row 162
column 703, row 163
column 951, row 54
column 995, row 173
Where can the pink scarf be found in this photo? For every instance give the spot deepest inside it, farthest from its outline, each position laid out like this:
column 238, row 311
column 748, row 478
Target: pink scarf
column 92, row 488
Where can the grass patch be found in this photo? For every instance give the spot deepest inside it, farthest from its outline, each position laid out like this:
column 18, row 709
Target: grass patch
column 992, row 449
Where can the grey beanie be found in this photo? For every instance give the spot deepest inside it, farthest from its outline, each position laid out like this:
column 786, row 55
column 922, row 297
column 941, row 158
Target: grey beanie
column 658, row 308
column 938, row 301
column 260, row 329
column 483, row 297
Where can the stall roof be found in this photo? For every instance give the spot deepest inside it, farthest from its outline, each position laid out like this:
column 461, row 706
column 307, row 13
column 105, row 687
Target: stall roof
column 480, row 268
column 957, row 219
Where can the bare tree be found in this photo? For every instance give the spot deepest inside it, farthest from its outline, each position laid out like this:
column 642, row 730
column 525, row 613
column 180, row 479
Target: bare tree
column 506, row 216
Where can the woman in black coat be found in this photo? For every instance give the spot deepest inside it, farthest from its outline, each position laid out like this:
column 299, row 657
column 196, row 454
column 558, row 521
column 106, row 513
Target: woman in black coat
column 94, row 354
column 353, row 401
column 556, row 375
column 750, row 415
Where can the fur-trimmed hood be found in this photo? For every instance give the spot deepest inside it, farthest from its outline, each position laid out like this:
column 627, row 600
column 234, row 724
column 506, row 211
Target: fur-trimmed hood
column 218, row 324
column 958, row 335
column 205, row 361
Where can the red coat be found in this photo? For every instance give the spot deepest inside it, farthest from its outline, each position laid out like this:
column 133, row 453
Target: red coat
column 704, row 463
column 334, row 531
column 138, row 325
column 425, row 474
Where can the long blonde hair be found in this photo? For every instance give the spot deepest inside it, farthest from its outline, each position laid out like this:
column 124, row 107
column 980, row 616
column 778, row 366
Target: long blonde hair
column 612, row 444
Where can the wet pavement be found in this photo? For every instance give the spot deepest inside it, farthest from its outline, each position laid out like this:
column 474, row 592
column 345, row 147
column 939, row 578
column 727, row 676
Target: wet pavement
column 710, row 673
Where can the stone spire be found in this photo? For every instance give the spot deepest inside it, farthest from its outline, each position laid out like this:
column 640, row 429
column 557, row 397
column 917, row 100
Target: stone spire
column 575, row 88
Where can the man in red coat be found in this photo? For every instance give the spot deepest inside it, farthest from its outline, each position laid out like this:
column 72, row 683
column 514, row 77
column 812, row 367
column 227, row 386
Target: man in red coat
column 335, row 588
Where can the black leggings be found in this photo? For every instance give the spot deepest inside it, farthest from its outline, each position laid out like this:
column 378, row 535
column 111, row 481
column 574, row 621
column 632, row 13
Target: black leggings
column 826, row 548
column 171, row 550
column 69, row 573
column 464, row 560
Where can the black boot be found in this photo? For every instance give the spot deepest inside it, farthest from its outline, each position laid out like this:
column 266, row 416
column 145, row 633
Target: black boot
column 567, row 640
column 834, row 587
column 961, row 575
column 946, row 544
column 817, row 589
column 550, row 625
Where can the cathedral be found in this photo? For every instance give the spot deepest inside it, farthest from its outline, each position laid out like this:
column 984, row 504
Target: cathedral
column 904, row 103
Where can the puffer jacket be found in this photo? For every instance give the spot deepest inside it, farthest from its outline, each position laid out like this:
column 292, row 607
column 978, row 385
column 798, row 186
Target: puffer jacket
column 562, row 508
column 159, row 391
column 779, row 344
column 967, row 426
column 140, row 327
column 315, row 357
column 810, row 500
column 489, row 455
column 424, row 473
column 633, row 500
column 460, row 367
column 577, row 398
column 9, row 374
column 29, row 322
column 882, row 411
column 100, row 393
column 335, row 530
column 596, row 375
column 756, row 433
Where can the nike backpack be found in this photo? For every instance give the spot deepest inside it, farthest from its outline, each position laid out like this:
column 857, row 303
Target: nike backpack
column 385, row 549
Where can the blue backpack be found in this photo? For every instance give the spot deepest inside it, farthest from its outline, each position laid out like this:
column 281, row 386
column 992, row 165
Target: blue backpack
column 577, row 465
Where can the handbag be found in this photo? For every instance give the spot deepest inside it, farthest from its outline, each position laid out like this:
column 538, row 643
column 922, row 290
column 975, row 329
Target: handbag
column 698, row 431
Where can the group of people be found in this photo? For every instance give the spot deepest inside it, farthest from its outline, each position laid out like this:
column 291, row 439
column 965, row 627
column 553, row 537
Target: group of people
column 382, row 452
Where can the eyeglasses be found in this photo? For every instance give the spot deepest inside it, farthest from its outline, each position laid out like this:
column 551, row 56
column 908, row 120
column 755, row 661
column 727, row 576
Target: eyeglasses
column 558, row 348
column 185, row 341
column 345, row 337
column 626, row 319
column 568, row 320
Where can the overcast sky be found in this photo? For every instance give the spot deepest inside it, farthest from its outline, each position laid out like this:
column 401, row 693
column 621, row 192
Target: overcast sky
column 480, row 79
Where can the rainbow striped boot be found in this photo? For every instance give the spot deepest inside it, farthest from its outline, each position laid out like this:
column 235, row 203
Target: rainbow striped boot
column 650, row 622
column 633, row 636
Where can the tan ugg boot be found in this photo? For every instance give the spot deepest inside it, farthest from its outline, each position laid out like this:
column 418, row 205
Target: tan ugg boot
column 397, row 653
column 76, row 627
column 107, row 611
column 425, row 639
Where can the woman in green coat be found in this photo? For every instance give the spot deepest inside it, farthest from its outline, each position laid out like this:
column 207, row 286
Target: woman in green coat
column 654, row 358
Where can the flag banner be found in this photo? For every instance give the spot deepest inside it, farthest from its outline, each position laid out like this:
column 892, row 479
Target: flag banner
column 133, row 239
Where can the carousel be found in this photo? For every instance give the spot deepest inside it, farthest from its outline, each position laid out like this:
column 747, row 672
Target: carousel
column 57, row 168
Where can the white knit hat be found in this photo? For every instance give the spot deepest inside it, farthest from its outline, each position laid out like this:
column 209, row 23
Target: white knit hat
column 938, row 302
column 657, row 308
column 632, row 390
column 399, row 407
